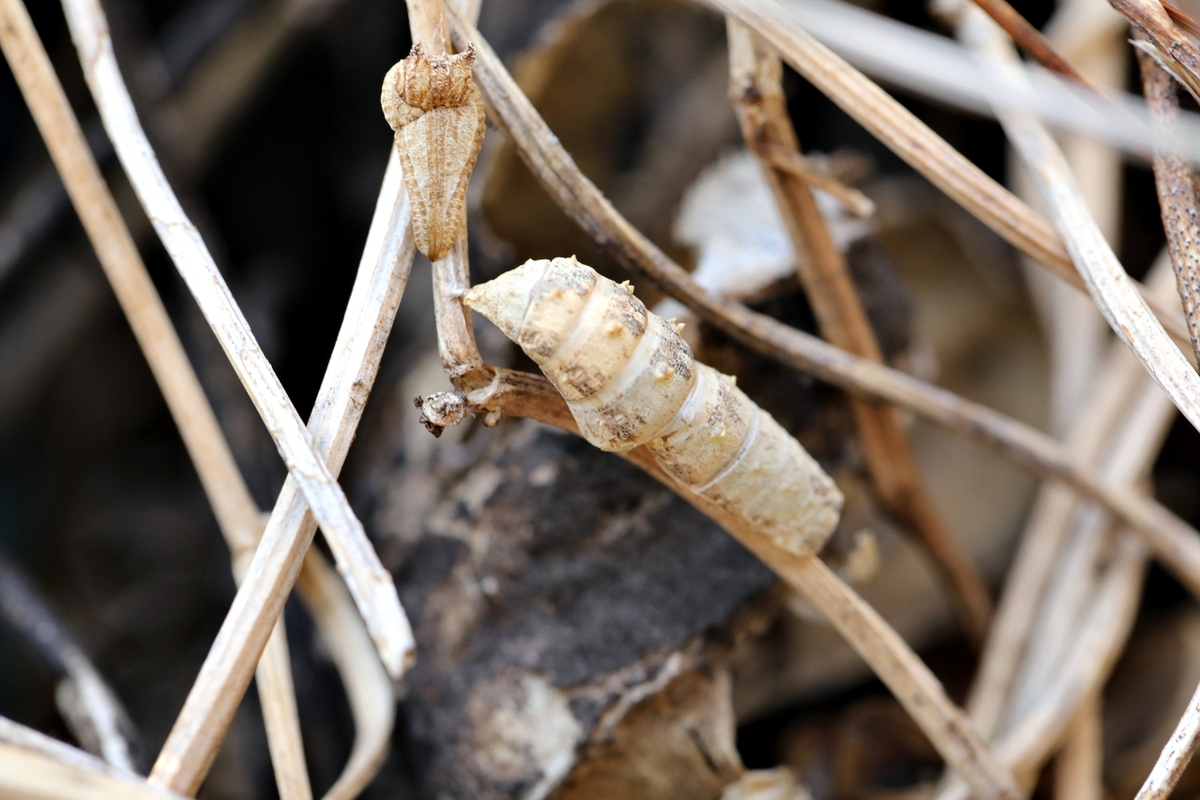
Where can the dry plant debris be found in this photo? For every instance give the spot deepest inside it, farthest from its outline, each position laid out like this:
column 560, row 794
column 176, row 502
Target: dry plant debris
column 653, row 717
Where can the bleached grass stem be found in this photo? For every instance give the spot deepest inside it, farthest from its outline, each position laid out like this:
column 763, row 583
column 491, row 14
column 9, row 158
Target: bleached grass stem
column 35, row 767
column 1111, row 288
column 369, row 582
column 383, row 273
column 913, row 141
column 757, row 93
column 232, row 504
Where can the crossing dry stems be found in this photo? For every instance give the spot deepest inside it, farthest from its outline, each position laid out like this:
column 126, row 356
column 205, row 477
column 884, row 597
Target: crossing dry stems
column 369, row 583
column 757, row 94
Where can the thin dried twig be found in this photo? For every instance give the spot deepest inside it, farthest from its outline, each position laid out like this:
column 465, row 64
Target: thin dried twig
column 924, row 150
column 1079, row 767
column 35, row 767
column 757, row 94
column 382, row 276
column 89, row 707
column 369, row 582
column 1176, row 544
column 232, row 504
column 1127, row 313
column 1031, row 742
column 794, row 163
column 948, row 728
column 368, row 688
column 1178, row 55
column 1175, row 756
column 1177, row 195
column 1048, row 527
column 1030, row 39
column 1089, row 398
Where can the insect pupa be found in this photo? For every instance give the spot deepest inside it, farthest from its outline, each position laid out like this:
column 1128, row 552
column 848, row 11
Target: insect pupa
column 436, row 110
column 630, row 380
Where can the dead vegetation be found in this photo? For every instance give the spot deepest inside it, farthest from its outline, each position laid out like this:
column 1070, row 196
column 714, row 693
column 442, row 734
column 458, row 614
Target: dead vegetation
column 664, row 621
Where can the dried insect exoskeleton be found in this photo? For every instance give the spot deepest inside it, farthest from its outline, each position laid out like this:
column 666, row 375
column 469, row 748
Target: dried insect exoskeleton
column 629, row 380
column 434, row 107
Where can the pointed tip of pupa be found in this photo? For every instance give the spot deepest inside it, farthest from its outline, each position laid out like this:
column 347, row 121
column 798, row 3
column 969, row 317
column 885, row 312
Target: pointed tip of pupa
column 504, row 300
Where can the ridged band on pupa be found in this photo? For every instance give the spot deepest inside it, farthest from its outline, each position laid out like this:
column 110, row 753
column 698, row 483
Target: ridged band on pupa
column 436, row 110
column 629, row 380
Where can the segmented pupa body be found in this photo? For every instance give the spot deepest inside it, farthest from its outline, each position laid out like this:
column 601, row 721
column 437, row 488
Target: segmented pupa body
column 630, row 380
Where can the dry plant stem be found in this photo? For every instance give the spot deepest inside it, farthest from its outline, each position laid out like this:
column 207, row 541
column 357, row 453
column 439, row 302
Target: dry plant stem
column 369, row 582
column 277, row 698
column 794, row 163
column 1174, row 542
column 1100, row 642
column 948, row 728
column 1188, row 24
column 1126, row 311
column 89, row 707
column 235, row 510
column 383, row 273
column 456, row 337
column 1029, row 39
column 1174, row 758
column 1176, row 52
column 1079, row 769
column 32, row 768
column 755, row 76
column 1126, row 433
column 1043, row 537
column 912, row 140
column 236, row 513
column 368, row 688
column 1177, row 196
column 1102, row 635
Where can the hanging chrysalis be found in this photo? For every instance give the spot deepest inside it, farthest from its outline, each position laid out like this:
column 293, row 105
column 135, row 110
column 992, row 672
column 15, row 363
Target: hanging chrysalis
column 629, row 380
column 436, row 110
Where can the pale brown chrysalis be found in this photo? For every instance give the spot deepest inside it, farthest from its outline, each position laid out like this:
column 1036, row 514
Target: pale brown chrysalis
column 434, row 107
column 630, row 380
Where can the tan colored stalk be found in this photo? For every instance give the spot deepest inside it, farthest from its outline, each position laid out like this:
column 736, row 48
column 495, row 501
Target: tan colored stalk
column 369, row 582
column 794, row 163
column 1176, row 544
column 1127, row 313
column 1079, row 768
column 1163, row 40
column 368, row 688
column 1177, row 195
column 1048, row 684
column 1043, row 537
column 232, row 504
column 1092, row 35
column 1086, row 29
column 1175, row 755
column 912, row 140
column 456, row 337
column 755, row 88
column 1029, row 39
column 947, row 727
column 382, row 276
column 35, row 767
